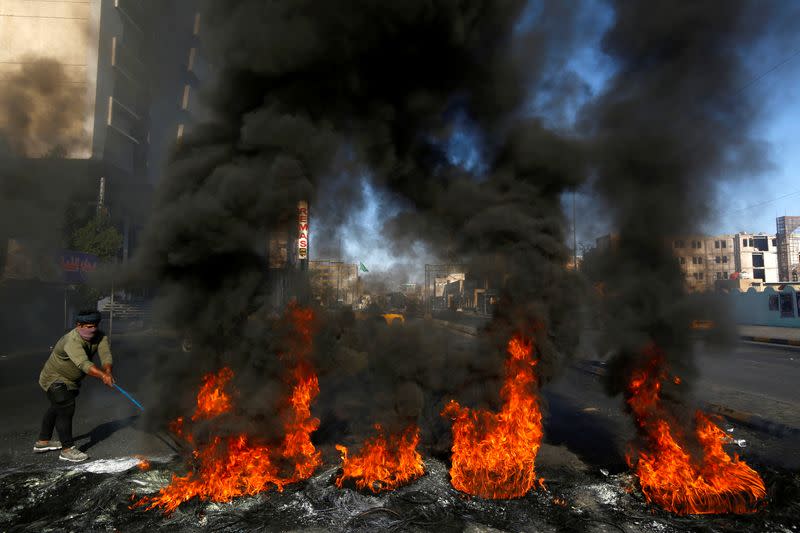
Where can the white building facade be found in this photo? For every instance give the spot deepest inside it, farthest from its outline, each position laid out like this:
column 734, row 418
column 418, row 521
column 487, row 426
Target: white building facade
column 756, row 256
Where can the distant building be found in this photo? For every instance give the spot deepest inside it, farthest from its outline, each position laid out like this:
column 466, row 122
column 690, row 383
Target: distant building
column 756, row 257
column 334, row 282
column 411, row 289
column 697, row 255
column 788, row 247
column 708, row 261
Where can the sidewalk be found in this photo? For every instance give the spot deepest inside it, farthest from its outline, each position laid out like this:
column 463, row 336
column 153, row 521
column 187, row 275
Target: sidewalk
column 773, row 335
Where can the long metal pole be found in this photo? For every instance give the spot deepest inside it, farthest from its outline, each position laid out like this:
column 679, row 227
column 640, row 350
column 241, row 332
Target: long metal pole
column 111, row 312
column 574, row 235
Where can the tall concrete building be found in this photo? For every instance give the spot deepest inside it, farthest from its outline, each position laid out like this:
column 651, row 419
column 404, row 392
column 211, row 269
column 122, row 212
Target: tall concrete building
column 788, row 241
column 108, row 85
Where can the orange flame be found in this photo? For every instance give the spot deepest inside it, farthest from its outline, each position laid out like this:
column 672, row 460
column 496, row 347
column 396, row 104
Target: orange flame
column 212, row 400
column 237, row 465
column 668, row 473
column 494, row 454
column 144, row 464
column 383, row 464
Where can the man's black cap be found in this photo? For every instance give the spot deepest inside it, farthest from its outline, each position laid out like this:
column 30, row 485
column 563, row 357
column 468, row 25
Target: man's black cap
column 88, row 316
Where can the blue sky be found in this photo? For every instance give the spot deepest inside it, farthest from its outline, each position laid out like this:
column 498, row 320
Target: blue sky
column 775, row 192
column 745, row 205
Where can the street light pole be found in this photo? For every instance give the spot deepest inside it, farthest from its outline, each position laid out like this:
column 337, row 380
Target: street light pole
column 574, row 235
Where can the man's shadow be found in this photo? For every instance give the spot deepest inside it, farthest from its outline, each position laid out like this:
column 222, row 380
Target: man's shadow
column 100, row 433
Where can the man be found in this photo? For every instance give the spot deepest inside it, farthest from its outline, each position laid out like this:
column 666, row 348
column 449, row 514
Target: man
column 61, row 378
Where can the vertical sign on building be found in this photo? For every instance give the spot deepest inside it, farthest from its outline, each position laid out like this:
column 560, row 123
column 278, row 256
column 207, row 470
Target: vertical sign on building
column 302, row 234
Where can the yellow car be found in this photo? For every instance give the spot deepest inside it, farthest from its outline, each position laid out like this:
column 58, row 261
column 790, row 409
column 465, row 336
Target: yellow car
column 391, row 318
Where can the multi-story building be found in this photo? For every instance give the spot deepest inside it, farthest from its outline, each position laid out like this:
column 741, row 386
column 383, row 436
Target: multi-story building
column 128, row 70
column 706, row 260
column 788, row 246
column 756, row 257
column 719, row 258
column 691, row 253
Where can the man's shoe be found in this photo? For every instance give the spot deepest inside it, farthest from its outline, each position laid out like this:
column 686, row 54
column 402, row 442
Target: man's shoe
column 41, row 446
column 72, row 454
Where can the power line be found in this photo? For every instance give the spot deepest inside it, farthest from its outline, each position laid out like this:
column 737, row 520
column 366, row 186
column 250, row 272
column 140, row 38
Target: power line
column 765, row 202
column 764, row 74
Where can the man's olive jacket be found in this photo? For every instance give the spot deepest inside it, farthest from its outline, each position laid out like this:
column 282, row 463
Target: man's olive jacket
column 71, row 359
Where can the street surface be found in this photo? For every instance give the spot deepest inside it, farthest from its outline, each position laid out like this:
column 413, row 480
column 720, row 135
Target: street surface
column 106, row 424
column 757, row 379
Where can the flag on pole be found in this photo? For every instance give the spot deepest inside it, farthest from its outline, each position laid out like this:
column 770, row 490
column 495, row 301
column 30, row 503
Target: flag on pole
column 362, row 267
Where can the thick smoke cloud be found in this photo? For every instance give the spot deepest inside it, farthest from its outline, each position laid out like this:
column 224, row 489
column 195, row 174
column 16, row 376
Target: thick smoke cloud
column 312, row 97
column 43, row 109
column 675, row 119
column 310, row 91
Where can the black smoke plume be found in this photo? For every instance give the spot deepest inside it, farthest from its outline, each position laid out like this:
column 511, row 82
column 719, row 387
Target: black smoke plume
column 43, row 110
column 308, row 92
column 311, row 97
column 675, row 120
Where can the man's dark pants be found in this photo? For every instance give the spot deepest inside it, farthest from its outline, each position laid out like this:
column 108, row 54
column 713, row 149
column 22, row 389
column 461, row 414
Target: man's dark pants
column 59, row 414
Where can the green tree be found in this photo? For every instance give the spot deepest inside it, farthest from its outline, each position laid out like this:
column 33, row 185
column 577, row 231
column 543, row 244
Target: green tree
column 97, row 236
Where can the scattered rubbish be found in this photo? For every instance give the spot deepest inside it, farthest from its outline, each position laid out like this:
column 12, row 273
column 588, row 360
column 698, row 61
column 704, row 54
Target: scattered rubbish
column 729, row 430
column 108, row 466
column 740, row 442
column 604, row 472
column 590, row 409
column 560, row 501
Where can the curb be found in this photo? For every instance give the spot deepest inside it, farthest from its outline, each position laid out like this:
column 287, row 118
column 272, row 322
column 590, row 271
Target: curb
column 752, row 421
column 770, row 340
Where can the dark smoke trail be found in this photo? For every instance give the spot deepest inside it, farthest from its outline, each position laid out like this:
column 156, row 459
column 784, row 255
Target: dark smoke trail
column 308, row 91
column 671, row 124
column 43, row 110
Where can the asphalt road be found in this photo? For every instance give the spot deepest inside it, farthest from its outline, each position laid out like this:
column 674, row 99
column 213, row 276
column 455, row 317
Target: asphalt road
column 106, row 424
column 579, row 415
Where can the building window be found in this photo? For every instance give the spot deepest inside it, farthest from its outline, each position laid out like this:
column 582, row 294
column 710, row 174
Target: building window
column 725, row 275
column 185, row 100
column 678, row 244
column 724, row 258
column 192, row 54
column 110, row 115
column 700, row 260
column 719, row 275
column 724, row 244
column 744, row 242
column 716, row 244
column 717, row 259
column 682, row 260
column 700, row 275
column 774, row 242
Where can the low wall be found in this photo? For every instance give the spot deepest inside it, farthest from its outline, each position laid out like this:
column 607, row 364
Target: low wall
column 768, row 307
